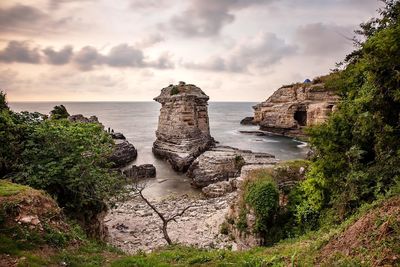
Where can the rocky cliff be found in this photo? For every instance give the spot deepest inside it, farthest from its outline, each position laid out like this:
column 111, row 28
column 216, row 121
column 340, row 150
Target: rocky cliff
column 293, row 107
column 183, row 129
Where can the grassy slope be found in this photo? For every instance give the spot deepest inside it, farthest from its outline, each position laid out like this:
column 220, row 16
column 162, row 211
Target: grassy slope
column 302, row 251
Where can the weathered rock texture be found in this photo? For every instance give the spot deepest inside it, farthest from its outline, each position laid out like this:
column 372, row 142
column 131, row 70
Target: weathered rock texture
column 223, row 163
column 123, row 153
column 183, row 130
column 141, row 171
column 293, row 107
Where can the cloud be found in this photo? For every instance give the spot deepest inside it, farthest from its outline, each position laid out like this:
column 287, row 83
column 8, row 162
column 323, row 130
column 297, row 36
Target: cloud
column 20, row 52
column 88, row 57
column 321, row 39
column 262, row 51
column 55, row 4
column 146, row 4
column 29, row 20
column 120, row 56
column 58, row 58
column 20, row 16
column 150, row 40
column 207, row 17
column 124, row 55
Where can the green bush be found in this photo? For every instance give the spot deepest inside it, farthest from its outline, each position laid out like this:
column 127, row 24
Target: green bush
column 174, row 90
column 59, row 112
column 68, row 160
column 262, row 196
column 357, row 151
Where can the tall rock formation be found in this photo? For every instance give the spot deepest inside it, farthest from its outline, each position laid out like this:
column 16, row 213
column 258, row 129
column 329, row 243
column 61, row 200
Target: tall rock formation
column 291, row 108
column 183, row 130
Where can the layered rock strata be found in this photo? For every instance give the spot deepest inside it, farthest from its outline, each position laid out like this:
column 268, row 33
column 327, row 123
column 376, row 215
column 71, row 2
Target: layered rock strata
column 291, row 108
column 223, row 163
column 183, row 128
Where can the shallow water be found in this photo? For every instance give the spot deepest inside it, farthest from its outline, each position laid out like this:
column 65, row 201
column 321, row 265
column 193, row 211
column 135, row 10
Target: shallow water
column 138, row 122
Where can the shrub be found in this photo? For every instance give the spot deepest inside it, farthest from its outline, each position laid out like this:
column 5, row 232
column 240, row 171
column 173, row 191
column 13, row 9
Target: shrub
column 174, row 90
column 262, row 195
column 59, row 112
column 69, row 161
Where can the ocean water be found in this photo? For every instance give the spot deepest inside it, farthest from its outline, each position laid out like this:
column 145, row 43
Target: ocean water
column 138, row 122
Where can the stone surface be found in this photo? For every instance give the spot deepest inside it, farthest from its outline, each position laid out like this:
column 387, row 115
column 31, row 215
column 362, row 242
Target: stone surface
column 183, row 129
column 293, row 107
column 219, row 189
column 248, row 121
column 134, row 227
column 141, row 171
column 117, row 136
column 123, row 153
column 222, row 163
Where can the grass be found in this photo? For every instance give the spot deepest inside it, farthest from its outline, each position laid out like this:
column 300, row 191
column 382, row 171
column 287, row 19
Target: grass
column 9, row 189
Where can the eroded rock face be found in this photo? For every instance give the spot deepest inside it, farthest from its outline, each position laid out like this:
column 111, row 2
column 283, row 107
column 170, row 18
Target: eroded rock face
column 183, row 129
column 293, row 107
column 222, row 163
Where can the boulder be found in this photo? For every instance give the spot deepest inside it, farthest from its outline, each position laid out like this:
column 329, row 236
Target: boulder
column 141, row 171
column 123, row 153
column 117, row 136
column 248, row 121
column 222, row 163
column 183, row 131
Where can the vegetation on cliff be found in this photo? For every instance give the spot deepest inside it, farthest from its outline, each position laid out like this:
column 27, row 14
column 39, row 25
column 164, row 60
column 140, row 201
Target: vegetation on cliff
column 68, row 160
column 357, row 151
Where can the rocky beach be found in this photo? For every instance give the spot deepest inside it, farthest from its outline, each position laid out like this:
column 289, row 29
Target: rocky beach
column 134, row 227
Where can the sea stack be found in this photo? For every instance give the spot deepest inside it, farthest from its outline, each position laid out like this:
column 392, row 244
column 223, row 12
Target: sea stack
column 183, row 129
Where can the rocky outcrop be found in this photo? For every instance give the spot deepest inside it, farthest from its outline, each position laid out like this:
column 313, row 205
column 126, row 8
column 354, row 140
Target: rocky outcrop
column 123, row 153
column 183, row 129
column 223, row 163
column 141, row 171
column 293, row 107
column 83, row 119
column 248, row 121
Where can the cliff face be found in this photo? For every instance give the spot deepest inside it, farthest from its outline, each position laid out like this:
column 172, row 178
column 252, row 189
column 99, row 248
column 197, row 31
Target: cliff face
column 291, row 108
column 183, row 129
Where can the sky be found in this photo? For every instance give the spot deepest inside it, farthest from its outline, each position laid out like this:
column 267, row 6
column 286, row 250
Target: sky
column 128, row 50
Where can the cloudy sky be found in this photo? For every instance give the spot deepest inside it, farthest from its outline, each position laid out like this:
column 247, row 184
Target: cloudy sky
column 127, row 50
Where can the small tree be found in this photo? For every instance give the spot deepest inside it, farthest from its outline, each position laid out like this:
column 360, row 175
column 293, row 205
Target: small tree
column 3, row 101
column 59, row 112
column 138, row 187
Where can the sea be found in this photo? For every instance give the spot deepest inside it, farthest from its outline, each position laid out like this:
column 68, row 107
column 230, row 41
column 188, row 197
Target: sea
column 138, row 122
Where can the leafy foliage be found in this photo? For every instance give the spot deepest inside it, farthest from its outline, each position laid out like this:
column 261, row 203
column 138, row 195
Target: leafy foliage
column 59, row 112
column 3, row 102
column 262, row 196
column 358, row 148
column 68, row 160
